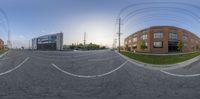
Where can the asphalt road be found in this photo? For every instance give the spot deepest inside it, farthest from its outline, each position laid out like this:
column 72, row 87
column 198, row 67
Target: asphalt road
column 91, row 75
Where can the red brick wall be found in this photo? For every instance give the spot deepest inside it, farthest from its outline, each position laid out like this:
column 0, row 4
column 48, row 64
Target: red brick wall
column 1, row 44
column 165, row 30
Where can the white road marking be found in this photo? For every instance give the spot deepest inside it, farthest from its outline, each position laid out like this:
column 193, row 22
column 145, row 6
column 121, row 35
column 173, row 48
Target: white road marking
column 4, row 59
column 93, row 76
column 179, row 75
column 15, row 67
column 2, row 55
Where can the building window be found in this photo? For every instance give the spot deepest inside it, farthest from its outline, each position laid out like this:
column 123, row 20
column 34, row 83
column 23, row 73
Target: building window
column 158, row 44
column 144, row 37
column 158, row 35
column 184, row 38
column 135, row 39
column 173, row 36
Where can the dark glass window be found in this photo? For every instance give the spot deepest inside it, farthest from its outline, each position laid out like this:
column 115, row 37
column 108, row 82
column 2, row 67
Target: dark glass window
column 184, row 38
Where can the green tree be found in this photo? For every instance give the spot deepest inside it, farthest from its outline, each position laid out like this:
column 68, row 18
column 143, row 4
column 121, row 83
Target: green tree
column 80, row 46
column 72, row 46
column 93, row 46
column 180, row 45
column 197, row 46
column 126, row 47
column 103, row 47
column 143, row 45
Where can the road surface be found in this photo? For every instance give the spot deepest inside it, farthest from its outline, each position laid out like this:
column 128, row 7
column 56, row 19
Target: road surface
column 91, row 75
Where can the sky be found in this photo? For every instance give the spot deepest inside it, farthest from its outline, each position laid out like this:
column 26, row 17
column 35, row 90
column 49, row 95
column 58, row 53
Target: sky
column 32, row 18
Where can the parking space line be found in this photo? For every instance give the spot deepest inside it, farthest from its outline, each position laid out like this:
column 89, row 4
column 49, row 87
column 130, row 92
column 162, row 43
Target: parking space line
column 3, row 59
column 93, row 76
column 15, row 67
column 179, row 75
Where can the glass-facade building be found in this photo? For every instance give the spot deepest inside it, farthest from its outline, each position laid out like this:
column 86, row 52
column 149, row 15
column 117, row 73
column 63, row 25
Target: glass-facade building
column 48, row 42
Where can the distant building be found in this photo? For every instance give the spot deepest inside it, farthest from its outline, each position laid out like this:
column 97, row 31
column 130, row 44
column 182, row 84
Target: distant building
column 1, row 44
column 6, row 46
column 48, row 42
column 162, row 39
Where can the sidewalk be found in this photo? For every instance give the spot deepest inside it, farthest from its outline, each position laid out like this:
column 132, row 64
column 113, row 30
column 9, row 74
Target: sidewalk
column 161, row 67
column 163, row 54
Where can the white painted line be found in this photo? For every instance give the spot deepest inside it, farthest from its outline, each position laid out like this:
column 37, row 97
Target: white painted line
column 93, row 76
column 4, row 59
column 179, row 75
column 2, row 55
column 15, row 67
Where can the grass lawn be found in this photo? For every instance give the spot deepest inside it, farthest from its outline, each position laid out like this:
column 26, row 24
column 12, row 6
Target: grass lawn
column 2, row 51
column 160, row 59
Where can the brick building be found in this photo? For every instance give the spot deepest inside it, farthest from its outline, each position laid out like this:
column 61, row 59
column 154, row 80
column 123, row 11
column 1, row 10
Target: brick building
column 162, row 39
column 1, row 44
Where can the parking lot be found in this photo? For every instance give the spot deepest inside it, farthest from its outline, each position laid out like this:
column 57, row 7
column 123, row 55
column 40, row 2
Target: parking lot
column 102, row 74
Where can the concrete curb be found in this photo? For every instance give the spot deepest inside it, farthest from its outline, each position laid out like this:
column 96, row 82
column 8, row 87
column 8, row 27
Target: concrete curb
column 164, row 54
column 161, row 67
column 5, row 53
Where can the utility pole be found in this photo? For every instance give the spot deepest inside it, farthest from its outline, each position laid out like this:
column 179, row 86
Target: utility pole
column 84, row 41
column 119, row 34
column 29, row 44
column 9, row 41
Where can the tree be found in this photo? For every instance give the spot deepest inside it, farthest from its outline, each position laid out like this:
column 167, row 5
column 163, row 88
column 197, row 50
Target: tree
column 92, row 46
column 143, row 45
column 72, row 46
column 197, row 46
column 103, row 47
column 80, row 46
column 126, row 47
column 180, row 45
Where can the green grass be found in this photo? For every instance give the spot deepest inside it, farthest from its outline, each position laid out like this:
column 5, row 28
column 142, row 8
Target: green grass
column 2, row 51
column 160, row 59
